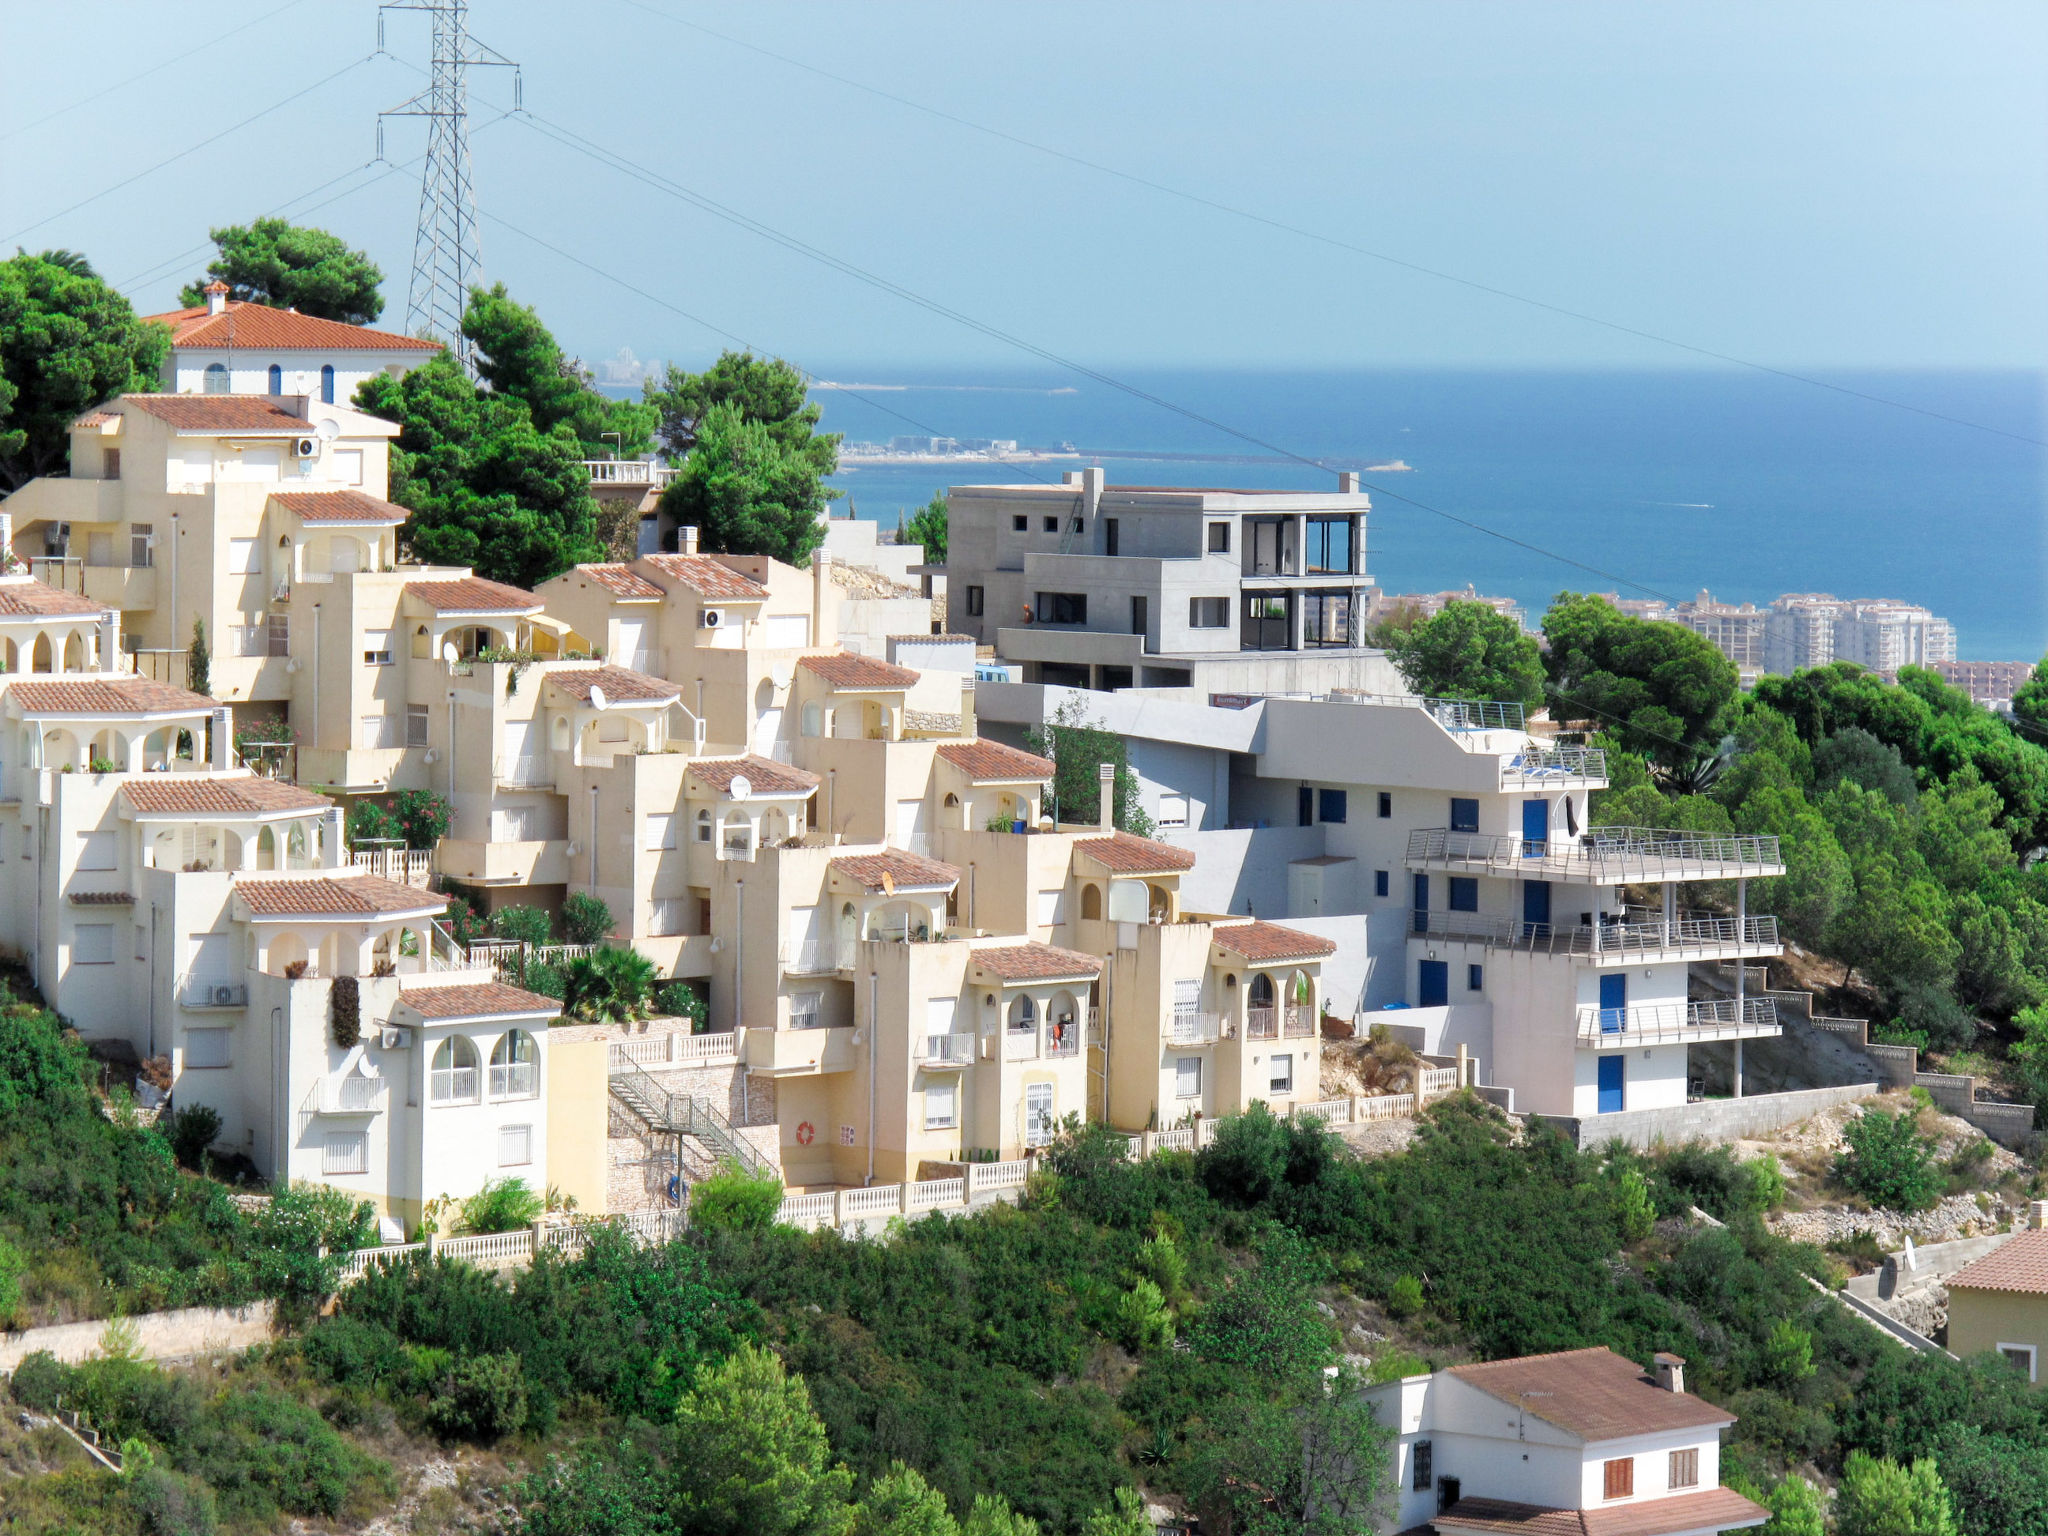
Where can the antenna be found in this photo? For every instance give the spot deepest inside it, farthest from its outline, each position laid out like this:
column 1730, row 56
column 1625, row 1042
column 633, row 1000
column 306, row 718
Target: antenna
column 447, row 260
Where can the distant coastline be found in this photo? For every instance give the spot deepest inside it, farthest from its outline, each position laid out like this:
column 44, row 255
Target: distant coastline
column 855, row 455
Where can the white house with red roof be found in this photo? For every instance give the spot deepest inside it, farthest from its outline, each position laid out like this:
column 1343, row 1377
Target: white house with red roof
column 228, row 347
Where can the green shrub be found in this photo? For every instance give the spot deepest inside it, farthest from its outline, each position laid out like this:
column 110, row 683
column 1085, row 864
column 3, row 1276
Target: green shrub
column 1788, row 1353
column 681, row 1000
column 502, row 1205
column 1404, row 1296
column 585, row 919
column 610, row 985
column 193, row 1129
column 484, row 1399
column 734, row 1199
column 1161, row 1261
column 1144, row 1321
column 348, row 1350
column 529, row 925
column 1888, row 1162
column 368, row 821
column 300, row 1221
column 40, row 1380
column 545, row 979
column 423, row 817
column 169, row 1504
column 1634, row 1212
column 1970, row 1157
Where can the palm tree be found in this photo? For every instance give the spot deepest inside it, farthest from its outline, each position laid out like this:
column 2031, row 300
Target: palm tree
column 608, row 986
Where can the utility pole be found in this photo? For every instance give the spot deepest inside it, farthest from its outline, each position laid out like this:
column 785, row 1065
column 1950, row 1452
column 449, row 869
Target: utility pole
column 447, row 260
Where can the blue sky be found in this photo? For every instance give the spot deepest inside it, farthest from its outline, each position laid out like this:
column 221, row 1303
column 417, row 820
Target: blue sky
column 1807, row 185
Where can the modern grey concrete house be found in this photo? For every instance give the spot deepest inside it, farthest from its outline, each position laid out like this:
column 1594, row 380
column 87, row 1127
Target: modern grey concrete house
column 1100, row 586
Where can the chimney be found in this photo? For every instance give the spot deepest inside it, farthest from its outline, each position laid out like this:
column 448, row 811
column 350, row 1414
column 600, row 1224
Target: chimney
column 6, row 540
column 1347, row 482
column 686, row 540
column 2037, row 1215
column 219, row 759
column 1670, row 1372
column 216, row 296
column 1071, row 478
column 1105, row 778
column 1091, row 490
column 333, row 846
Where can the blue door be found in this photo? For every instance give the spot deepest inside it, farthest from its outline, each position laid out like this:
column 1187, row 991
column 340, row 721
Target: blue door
column 1433, row 984
column 1612, row 1093
column 1535, row 826
column 1613, row 1003
column 1421, row 904
column 1536, row 908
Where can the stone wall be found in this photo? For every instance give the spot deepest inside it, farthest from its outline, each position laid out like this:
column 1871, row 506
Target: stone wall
column 1709, row 1120
column 640, row 1164
column 159, row 1335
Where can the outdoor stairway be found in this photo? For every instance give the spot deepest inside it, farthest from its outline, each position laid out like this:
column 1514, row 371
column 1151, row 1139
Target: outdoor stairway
column 680, row 1114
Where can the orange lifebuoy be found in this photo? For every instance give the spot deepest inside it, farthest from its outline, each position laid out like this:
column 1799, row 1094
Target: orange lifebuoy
column 806, row 1133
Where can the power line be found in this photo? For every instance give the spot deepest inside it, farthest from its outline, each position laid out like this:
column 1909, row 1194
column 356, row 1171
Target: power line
column 1321, row 238
column 569, row 139
column 212, row 138
column 213, row 41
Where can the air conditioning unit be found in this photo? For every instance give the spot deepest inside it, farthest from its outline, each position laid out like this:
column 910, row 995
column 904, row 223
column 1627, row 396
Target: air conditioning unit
column 223, row 995
column 307, row 447
column 711, row 618
column 395, row 1039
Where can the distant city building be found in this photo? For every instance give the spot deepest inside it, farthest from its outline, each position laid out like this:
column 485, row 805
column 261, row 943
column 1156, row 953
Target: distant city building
column 1807, row 629
column 1384, row 605
column 1990, row 683
column 625, row 369
column 1800, row 631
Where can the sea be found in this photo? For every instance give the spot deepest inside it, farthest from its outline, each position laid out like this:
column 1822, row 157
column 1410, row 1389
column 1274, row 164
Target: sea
column 1921, row 486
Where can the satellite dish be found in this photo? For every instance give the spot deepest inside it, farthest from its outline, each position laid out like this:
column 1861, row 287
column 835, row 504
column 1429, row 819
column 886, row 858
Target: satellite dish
column 328, row 428
column 597, row 698
column 449, row 653
column 741, row 786
column 888, row 883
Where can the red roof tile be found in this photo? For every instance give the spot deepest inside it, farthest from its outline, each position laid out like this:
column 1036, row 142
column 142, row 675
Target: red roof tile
column 859, row 674
column 332, row 896
column 124, row 696
column 1125, row 853
column 103, row 898
column 1594, row 1394
column 621, row 581
column 479, row 1000
column 1708, row 1509
column 25, row 597
column 190, row 794
column 763, row 777
column 1036, row 962
column 242, row 415
column 243, row 324
column 472, row 594
column 709, row 577
column 903, row 868
column 621, row 685
column 2020, row 1264
column 339, row 507
column 1259, row 942
column 990, row 762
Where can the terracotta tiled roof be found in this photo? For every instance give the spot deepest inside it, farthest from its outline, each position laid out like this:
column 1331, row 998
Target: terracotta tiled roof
column 243, row 324
column 190, row 794
column 1036, row 962
column 762, row 776
column 245, row 415
column 332, row 896
column 621, row 581
column 932, row 639
column 472, row 594
column 861, row 674
column 1125, row 853
column 1269, row 941
column 475, row 1001
column 1594, row 1394
column 904, row 868
column 103, row 898
column 708, row 577
column 125, row 696
column 2020, row 1264
column 987, row 762
column 339, row 507
column 621, row 685
column 25, row 597
column 1708, row 1509
column 95, row 418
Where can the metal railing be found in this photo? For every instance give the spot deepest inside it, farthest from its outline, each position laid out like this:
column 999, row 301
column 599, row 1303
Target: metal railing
column 514, row 1080
column 1298, row 1020
column 1649, row 1023
column 1063, row 1039
column 629, row 472
column 452, row 1085
column 682, row 1115
column 810, row 957
column 946, row 1050
column 1556, row 763
column 1192, row 1026
column 1610, row 855
column 1691, row 936
column 1262, row 1023
column 353, row 1094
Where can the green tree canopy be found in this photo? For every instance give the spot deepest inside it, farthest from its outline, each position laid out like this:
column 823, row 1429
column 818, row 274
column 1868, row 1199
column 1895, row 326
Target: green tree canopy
column 2030, row 701
column 486, row 488
column 764, row 390
column 519, row 357
column 751, row 1457
column 1078, row 746
column 67, row 342
column 290, row 266
column 1469, row 651
column 1658, row 689
column 927, row 527
column 747, row 492
column 1882, row 1498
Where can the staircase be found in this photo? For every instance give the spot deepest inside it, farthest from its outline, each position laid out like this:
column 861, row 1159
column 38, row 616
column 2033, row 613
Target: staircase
column 679, row 1114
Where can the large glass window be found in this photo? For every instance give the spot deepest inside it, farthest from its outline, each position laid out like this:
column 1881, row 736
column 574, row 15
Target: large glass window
column 453, row 1077
column 1326, row 618
column 1269, row 547
column 1330, row 545
column 1062, row 608
column 1209, row 612
column 1268, row 622
column 515, row 1066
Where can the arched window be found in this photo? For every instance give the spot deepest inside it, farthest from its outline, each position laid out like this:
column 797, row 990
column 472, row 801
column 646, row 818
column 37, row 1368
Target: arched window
column 1091, row 901
column 515, row 1066
column 703, row 826
column 1024, row 1013
column 327, row 383
column 453, row 1079
column 276, row 379
column 216, row 379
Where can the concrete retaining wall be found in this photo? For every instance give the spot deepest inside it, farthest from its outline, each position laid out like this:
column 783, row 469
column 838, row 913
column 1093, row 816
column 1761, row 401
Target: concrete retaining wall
column 1710, row 1120
column 160, row 1335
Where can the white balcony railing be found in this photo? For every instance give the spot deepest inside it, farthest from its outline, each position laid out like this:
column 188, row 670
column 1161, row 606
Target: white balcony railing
column 629, row 472
column 1262, row 1023
column 526, row 772
column 354, row 1095
column 1020, row 1045
column 1191, row 1027
column 946, row 1050
column 1608, row 855
column 1692, row 937
column 515, row 1080
column 810, row 957
column 1674, row 1022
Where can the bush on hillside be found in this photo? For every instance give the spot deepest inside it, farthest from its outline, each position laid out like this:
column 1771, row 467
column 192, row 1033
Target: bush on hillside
column 735, row 1199
column 1888, row 1162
